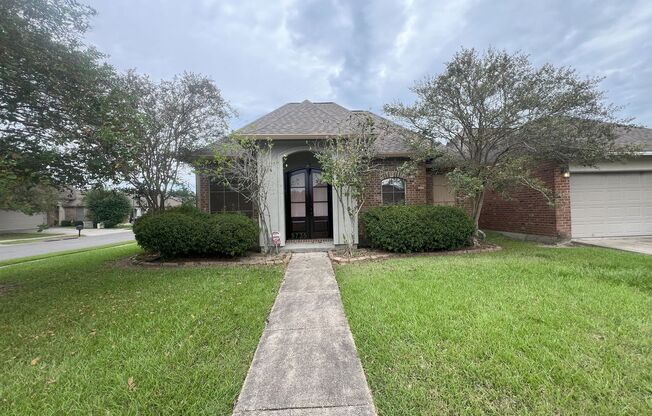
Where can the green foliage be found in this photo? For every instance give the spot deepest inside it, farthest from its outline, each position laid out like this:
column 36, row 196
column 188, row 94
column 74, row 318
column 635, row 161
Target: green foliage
column 53, row 97
column 107, row 206
column 416, row 228
column 186, row 231
column 66, row 223
column 492, row 116
column 229, row 235
column 172, row 234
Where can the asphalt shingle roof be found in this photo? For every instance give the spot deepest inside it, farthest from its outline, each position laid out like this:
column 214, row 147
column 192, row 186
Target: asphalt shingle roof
column 324, row 119
column 330, row 119
column 638, row 136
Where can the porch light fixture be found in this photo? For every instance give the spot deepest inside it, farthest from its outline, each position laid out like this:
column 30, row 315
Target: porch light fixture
column 565, row 172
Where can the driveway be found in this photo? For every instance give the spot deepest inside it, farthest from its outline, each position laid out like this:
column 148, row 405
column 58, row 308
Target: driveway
column 642, row 244
column 15, row 251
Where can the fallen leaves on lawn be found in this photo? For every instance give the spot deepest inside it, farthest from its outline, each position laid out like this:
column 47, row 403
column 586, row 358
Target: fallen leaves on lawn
column 36, row 360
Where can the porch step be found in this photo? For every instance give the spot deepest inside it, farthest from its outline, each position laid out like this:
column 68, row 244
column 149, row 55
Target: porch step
column 308, row 246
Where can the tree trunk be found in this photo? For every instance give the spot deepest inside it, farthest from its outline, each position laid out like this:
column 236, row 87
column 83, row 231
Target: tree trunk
column 478, row 201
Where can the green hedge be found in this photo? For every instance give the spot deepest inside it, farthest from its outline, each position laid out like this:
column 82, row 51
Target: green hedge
column 187, row 231
column 417, row 228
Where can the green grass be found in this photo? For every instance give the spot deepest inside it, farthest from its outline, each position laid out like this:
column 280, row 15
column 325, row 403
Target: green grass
column 527, row 330
column 76, row 328
column 23, row 236
column 30, row 259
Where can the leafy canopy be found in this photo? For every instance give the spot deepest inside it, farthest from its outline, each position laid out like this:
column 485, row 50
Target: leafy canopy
column 490, row 118
column 53, row 95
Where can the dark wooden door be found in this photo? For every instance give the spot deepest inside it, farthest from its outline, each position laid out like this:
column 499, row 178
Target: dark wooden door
column 308, row 205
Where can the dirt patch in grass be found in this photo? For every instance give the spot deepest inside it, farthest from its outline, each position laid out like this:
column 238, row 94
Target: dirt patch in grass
column 365, row 254
column 7, row 287
column 155, row 260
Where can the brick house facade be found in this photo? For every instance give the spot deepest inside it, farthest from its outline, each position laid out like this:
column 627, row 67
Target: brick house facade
column 528, row 211
column 416, row 190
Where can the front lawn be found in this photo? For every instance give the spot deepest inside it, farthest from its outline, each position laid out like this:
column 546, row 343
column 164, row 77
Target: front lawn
column 526, row 330
column 82, row 334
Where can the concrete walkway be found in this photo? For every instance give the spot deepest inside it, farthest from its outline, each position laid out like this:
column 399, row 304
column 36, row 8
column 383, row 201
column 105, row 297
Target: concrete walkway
column 306, row 362
column 642, row 244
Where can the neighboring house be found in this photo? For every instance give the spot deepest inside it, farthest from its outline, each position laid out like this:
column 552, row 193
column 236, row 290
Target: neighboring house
column 139, row 206
column 301, row 206
column 70, row 209
column 17, row 221
column 612, row 199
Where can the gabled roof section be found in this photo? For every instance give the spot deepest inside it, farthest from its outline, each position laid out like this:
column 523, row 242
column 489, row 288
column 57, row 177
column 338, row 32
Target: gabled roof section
column 306, row 120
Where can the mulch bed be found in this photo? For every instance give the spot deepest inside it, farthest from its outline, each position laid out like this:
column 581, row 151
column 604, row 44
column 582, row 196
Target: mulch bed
column 339, row 257
column 154, row 260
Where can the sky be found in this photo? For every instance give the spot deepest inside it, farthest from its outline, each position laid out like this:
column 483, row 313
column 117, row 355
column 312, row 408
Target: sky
column 364, row 54
column 263, row 54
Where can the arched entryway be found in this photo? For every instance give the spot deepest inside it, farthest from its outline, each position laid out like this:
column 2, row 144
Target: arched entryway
column 308, row 207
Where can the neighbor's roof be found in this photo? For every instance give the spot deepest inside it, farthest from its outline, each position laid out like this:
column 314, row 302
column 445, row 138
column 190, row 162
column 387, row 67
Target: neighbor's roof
column 306, row 120
column 637, row 136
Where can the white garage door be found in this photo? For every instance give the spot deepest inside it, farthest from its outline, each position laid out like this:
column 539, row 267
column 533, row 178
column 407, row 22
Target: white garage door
column 611, row 204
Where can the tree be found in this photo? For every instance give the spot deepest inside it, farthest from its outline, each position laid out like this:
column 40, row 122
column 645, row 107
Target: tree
column 493, row 116
column 184, row 194
column 107, row 206
column 346, row 163
column 162, row 122
column 53, row 93
column 245, row 165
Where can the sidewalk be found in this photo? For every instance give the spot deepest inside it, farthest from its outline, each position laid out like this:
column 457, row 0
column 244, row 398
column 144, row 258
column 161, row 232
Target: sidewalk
column 306, row 362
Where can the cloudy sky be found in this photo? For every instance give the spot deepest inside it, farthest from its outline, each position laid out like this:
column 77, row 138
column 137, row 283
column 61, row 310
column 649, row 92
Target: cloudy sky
column 361, row 55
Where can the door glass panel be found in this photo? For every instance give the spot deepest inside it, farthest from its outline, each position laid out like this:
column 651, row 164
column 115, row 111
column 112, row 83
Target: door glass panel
column 298, row 209
column 320, row 209
column 316, row 179
column 320, row 194
column 297, row 194
column 298, row 180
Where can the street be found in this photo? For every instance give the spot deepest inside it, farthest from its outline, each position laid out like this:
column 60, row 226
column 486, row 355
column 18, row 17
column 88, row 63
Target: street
column 14, row 251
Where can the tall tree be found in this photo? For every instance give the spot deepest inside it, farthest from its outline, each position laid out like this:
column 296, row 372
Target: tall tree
column 52, row 93
column 162, row 122
column 493, row 116
column 347, row 161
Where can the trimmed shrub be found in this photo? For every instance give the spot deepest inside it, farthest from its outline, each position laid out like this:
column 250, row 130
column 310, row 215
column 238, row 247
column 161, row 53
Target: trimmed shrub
column 417, row 228
column 230, row 235
column 186, row 231
column 66, row 223
column 170, row 234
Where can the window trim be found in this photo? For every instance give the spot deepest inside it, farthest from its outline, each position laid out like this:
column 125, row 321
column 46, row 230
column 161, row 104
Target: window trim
column 382, row 202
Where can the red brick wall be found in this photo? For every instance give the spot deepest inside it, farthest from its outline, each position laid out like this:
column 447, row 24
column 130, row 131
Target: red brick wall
column 416, row 189
column 203, row 193
column 528, row 212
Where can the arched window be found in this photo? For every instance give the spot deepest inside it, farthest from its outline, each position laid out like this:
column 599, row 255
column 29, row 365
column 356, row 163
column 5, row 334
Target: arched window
column 393, row 191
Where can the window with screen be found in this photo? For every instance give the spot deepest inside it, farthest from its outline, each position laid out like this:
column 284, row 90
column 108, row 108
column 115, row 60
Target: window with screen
column 225, row 199
column 393, row 191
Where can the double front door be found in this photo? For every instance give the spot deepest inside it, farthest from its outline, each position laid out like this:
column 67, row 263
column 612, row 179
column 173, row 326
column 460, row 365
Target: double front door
column 308, row 207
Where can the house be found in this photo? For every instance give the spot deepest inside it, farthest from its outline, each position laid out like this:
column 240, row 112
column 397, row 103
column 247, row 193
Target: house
column 303, row 208
column 611, row 199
